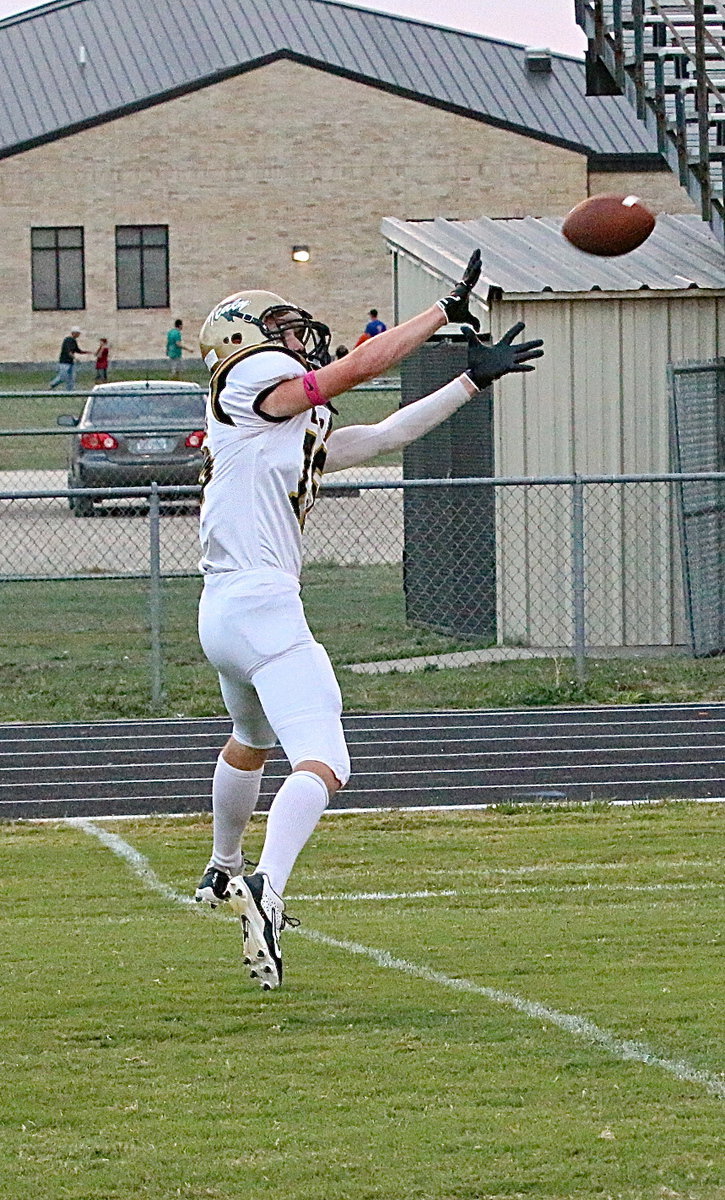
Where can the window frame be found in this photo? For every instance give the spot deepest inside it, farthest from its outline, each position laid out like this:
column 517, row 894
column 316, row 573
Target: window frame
column 140, row 246
column 56, row 250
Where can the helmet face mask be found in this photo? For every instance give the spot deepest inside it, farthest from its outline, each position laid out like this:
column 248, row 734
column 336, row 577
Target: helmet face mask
column 314, row 335
column 254, row 318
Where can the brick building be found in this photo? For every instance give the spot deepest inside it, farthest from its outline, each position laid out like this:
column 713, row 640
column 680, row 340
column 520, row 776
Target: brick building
column 143, row 178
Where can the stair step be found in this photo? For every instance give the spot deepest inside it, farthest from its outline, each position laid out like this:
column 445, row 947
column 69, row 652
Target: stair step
column 662, row 65
column 676, row 54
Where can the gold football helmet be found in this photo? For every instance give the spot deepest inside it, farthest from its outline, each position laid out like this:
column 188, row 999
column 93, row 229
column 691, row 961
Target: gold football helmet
column 252, row 318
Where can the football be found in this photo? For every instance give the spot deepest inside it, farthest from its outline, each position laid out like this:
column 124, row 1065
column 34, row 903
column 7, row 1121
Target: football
column 608, row 225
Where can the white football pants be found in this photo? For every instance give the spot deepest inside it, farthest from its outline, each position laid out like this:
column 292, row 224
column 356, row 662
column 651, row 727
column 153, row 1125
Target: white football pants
column 277, row 682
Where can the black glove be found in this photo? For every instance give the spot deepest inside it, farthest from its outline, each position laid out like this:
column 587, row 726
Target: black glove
column 486, row 363
column 455, row 306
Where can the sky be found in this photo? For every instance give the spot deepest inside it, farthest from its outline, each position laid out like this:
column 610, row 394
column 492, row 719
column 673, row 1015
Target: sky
column 530, row 22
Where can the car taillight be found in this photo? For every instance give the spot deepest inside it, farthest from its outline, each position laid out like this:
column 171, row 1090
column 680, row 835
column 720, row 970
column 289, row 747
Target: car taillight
column 195, row 439
column 98, row 441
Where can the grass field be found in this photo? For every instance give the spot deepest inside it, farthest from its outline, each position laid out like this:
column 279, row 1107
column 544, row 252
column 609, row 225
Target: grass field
column 72, row 651
column 546, row 1022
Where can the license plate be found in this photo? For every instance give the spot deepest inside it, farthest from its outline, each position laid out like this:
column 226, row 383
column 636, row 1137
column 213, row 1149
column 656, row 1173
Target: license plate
column 152, row 445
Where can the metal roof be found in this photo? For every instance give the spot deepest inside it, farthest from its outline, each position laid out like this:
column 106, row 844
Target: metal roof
column 528, row 255
column 136, row 54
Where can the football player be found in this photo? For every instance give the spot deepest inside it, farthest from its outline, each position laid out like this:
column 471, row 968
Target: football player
column 268, row 441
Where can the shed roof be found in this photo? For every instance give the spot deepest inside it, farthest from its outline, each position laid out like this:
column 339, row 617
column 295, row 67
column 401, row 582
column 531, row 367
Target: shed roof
column 137, row 55
column 528, row 255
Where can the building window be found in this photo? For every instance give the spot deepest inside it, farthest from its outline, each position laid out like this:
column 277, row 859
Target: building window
column 57, row 269
column 142, row 266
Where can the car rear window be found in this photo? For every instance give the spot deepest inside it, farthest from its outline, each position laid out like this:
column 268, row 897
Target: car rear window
column 148, row 408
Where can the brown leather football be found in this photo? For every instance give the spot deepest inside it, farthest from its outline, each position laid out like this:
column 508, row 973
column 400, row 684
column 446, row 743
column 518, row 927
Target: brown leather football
column 608, row 225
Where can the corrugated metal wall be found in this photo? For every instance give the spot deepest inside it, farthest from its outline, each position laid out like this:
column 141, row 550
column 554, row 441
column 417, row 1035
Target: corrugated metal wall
column 416, row 289
column 596, row 404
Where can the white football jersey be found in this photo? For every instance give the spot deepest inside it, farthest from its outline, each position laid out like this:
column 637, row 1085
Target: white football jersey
column 261, row 475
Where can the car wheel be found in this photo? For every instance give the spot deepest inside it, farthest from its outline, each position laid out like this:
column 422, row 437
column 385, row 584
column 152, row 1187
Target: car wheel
column 82, row 506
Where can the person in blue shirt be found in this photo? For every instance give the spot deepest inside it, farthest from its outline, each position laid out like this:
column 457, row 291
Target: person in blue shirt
column 374, row 325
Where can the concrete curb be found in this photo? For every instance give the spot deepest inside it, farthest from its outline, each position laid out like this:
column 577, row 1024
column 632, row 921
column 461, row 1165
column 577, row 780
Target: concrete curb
column 495, row 654
column 462, row 658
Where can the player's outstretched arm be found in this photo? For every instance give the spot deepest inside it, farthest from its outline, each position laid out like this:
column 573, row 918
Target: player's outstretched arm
column 355, row 444
column 379, row 354
column 352, row 445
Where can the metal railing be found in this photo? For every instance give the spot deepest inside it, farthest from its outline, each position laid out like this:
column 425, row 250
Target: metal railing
column 668, row 58
column 385, row 383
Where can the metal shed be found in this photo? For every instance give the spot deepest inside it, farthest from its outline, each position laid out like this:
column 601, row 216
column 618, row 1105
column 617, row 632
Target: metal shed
column 596, row 404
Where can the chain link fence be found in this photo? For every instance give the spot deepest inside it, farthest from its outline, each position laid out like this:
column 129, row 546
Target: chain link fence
column 566, row 566
column 502, row 568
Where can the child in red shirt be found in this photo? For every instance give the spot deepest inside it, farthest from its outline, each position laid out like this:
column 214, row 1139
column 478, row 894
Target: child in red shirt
column 102, row 359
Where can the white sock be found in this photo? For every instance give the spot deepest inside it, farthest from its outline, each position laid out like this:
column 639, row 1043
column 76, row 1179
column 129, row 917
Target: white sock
column 295, row 811
column 234, row 794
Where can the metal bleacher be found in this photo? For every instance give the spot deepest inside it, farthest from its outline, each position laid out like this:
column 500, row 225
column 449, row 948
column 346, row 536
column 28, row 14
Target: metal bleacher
column 668, row 59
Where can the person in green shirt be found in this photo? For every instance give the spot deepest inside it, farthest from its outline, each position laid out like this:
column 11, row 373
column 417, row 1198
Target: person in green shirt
column 175, row 346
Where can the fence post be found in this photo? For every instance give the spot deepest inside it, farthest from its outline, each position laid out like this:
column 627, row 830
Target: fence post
column 578, row 581
column 155, row 598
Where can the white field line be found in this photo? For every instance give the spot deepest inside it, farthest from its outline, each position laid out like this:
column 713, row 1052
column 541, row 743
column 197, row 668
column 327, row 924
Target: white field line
column 550, row 889
column 534, row 889
column 332, row 897
column 554, row 868
column 578, row 1027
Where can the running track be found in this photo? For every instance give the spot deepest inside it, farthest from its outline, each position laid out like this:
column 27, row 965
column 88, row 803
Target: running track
column 399, row 760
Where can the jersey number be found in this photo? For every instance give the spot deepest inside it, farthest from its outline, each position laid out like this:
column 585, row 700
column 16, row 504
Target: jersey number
column 313, row 462
column 207, row 466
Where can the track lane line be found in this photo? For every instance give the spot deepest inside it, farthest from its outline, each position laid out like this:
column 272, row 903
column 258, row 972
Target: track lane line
column 550, row 769
column 437, row 755
column 591, row 710
column 551, row 737
column 598, row 715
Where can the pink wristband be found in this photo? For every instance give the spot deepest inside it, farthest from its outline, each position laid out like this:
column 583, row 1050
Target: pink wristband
column 312, row 390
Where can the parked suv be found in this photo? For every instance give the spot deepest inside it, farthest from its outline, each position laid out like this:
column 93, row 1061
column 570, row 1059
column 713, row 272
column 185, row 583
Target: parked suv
column 136, row 433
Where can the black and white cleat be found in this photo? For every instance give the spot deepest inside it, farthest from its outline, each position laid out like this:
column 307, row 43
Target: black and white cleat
column 213, row 887
column 263, row 918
